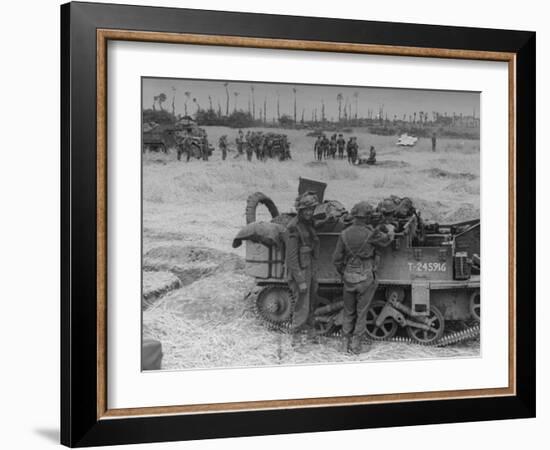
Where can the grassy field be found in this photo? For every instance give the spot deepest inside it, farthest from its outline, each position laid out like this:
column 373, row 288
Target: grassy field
column 192, row 211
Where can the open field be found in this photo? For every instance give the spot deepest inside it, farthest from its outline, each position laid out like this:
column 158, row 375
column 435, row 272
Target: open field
column 192, row 211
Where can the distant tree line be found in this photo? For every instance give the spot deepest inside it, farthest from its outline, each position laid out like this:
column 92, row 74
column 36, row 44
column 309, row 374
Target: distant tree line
column 419, row 123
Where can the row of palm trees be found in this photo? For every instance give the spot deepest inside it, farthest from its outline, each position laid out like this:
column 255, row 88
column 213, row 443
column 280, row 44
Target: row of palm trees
column 345, row 112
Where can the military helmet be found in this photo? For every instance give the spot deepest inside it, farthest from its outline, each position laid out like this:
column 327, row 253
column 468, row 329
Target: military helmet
column 387, row 206
column 362, row 210
column 306, row 200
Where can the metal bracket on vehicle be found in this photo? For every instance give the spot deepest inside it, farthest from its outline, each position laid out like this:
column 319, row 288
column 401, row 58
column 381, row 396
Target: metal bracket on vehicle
column 420, row 298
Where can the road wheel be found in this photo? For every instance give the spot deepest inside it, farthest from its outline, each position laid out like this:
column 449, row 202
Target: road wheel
column 386, row 330
column 437, row 324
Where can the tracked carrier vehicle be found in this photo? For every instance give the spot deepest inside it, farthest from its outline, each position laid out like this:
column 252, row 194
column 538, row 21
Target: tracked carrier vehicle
column 428, row 278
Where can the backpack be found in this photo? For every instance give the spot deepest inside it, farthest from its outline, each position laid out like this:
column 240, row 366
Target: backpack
column 357, row 269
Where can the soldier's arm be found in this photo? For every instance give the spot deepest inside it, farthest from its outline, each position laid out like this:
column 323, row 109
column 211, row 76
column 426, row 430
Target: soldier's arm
column 292, row 258
column 339, row 255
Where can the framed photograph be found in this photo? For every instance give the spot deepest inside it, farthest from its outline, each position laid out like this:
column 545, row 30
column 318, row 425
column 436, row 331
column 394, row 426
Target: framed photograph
column 275, row 224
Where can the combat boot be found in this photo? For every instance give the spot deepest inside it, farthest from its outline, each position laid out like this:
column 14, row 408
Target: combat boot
column 356, row 345
column 345, row 343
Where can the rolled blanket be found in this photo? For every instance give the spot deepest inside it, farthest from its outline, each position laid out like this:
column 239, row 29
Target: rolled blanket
column 261, row 232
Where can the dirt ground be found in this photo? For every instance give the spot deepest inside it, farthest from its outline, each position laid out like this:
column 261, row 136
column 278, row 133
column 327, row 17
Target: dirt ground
column 194, row 282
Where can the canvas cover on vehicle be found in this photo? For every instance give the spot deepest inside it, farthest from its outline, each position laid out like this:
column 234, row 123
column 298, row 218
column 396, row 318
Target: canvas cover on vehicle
column 267, row 233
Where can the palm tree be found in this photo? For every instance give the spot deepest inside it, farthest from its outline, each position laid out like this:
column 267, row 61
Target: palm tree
column 346, row 110
column 161, row 100
column 173, row 101
column 227, row 94
column 323, row 111
column 265, row 109
column 210, row 102
column 253, row 103
column 236, row 94
column 197, row 105
column 278, row 110
column 187, row 98
column 414, row 115
column 356, row 96
column 294, row 90
column 339, row 98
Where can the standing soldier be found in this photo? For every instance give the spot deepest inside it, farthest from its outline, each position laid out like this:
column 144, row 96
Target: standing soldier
column 204, row 149
column 434, row 141
column 180, row 139
column 223, row 146
column 240, row 142
column 355, row 150
column 333, row 146
column 325, row 145
column 302, row 252
column 188, row 146
column 349, row 150
column 286, row 149
column 249, row 146
column 354, row 258
column 317, row 151
column 341, row 144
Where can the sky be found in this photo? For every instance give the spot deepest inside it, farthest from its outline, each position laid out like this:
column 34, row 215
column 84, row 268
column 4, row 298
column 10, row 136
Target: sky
column 394, row 101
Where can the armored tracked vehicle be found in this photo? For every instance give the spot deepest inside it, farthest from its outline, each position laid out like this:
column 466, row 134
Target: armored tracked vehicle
column 428, row 278
column 165, row 136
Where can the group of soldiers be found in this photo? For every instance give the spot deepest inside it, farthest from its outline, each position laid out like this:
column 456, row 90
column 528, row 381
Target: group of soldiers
column 189, row 145
column 263, row 145
column 325, row 148
column 333, row 148
column 355, row 259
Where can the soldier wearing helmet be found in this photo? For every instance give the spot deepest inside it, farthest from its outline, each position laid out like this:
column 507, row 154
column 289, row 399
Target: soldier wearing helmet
column 354, row 258
column 223, row 146
column 302, row 252
column 341, row 144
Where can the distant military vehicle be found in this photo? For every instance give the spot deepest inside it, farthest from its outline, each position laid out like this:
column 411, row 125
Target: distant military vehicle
column 153, row 138
column 163, row 137
column 406, row 141
column 428, row 278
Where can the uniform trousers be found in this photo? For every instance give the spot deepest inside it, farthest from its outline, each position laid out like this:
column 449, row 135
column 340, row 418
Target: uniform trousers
column 305, row 302
column 357, row 300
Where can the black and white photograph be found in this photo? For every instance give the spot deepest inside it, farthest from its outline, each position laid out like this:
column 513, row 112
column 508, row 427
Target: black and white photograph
column 299, row 224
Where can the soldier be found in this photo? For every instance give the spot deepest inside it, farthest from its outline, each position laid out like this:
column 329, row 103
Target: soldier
column 349, row 150
column 266, row 149
column 434, row 141
column 372, row 156
column 286, row 149
column 341, row 144
column 204, row 147
column 180, row 138
column 249, row 146
column 184, row 146
column 354, row 258
column 223, row 146
column 317, row 150
column 332, row 150
column 302, row 252
column 325, row 145
column 239, row 140
column 256, row 144
column 355, row 150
